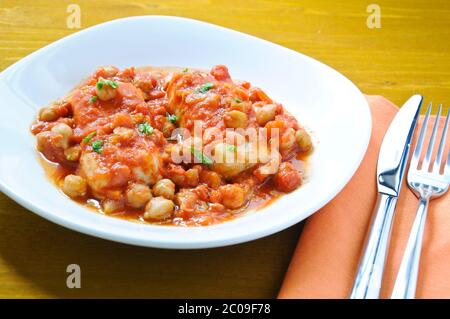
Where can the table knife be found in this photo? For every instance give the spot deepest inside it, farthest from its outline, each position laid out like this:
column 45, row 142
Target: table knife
column 391, row 164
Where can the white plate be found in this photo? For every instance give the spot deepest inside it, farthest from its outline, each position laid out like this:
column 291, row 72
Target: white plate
column 321, row 98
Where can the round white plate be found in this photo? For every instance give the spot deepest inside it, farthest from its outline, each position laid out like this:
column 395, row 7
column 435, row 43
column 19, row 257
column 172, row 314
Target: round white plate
column 321, row 98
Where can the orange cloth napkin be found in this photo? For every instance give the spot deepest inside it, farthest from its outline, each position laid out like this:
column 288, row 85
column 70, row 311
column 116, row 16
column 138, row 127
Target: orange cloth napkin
column 327, row 255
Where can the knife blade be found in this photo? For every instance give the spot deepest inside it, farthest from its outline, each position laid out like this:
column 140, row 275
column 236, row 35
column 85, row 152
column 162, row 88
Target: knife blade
column 391, row 165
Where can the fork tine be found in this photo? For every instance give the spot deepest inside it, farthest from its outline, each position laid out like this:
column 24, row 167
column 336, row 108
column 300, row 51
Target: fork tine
column 427, row 159
column 447, row 164
column 416, row 155
column 447, row 167
column 438, row 159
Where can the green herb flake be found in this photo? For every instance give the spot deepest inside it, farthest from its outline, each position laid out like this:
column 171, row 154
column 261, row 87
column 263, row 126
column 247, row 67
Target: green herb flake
column 205, row 87
column 102, row 82
column 88, row 137
column 237, row 100
column 172, row 118
column 185, row 70
column 200, row 157
column 231, row 148
column 93, row 99
column 145, row 128
column 97, row 146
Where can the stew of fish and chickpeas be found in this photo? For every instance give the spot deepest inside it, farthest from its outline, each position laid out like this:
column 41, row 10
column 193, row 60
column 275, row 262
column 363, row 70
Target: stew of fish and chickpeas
column 171, row 146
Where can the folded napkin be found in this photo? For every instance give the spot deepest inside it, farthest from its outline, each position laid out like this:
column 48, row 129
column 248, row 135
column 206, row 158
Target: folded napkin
column 327, row 255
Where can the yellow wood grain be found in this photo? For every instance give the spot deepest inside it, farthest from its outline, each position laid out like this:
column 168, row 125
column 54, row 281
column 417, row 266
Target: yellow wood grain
column 408, row 54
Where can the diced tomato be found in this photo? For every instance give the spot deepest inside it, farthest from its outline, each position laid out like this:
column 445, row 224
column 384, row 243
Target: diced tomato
column 288, row 178
column 220, row 73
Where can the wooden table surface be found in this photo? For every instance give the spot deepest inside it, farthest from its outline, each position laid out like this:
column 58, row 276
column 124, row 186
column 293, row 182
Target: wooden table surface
column 408, row 54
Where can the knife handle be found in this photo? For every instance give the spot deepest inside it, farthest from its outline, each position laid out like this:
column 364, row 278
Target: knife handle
column 368, row 280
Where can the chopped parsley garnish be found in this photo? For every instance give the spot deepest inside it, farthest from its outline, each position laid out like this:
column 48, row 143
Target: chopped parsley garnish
column 200, row 157
column 88, row 137
column 102, row 82
column 231, row 148
column 237, row 100
column 145, row 128
column 185, row 70
column 172, row 118
column 97, row 146
column 93, row 99
column 205, row 87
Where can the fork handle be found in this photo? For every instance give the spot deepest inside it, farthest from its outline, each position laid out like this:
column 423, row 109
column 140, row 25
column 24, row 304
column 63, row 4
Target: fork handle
column 369, row 276
column 406, row 282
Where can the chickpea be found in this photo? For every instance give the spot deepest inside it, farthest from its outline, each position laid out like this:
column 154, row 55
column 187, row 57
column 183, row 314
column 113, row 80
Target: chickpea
column 48, row 114
column 303, row 139
column 242, row 106
column 179, row 179
column 202, row 192
column 168, row 129
column 159, row 208
column 138, row 195
column 176, row 173
column 145, row 82
column 43, row 140
column 108, row 71
column 265, row 114
column 165, row 188
column 210, row 178
column 235, row 119
column 192, row 177
column 274, row 127
column 74, row 186
column 137, row 118
column 105, row 92
column 287, row 139
column 111, row 206
column 186, row 200
column 66, row 131
column 233, row 196
column 229, row 162
column 73, row 153
column 269, row 168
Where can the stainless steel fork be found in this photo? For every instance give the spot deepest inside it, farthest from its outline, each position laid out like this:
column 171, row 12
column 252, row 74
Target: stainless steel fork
column 427, row 181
